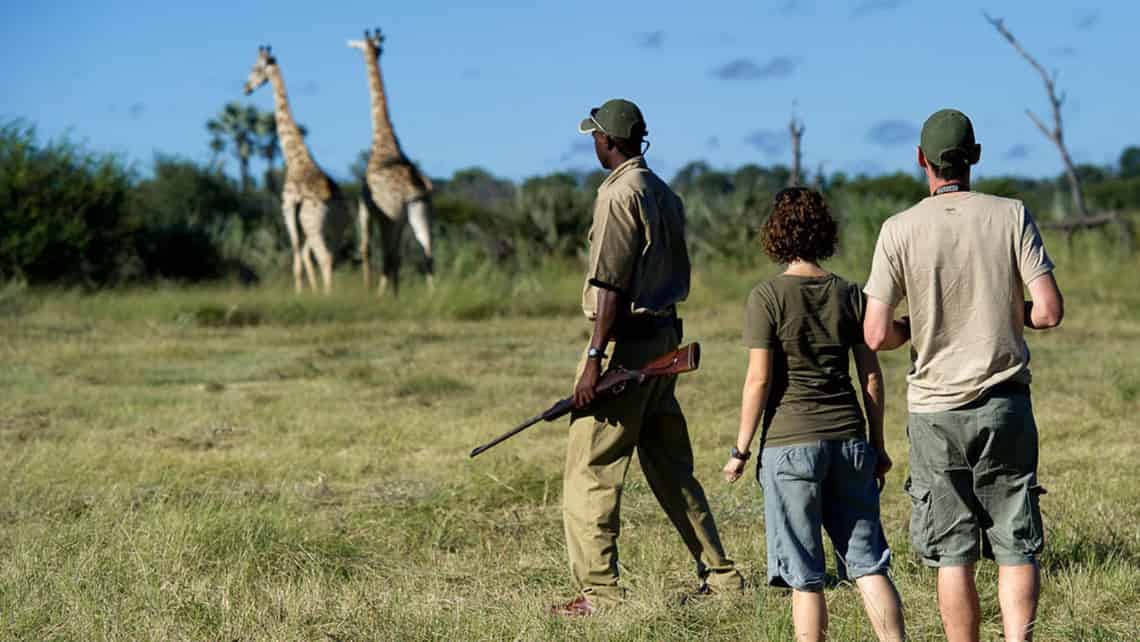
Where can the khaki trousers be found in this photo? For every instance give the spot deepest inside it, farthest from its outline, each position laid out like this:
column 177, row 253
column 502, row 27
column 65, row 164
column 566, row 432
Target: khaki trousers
column 647, row 419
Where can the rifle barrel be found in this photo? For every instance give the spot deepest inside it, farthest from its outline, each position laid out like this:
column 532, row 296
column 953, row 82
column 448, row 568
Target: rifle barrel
column 507, row 435
column 685, row 359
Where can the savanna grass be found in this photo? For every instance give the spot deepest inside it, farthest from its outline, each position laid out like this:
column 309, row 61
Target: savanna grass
column 221, row 463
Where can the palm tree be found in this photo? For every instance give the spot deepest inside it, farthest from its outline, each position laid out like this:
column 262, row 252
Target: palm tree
column 217, row 146
column 268, row 146
column 235, row 128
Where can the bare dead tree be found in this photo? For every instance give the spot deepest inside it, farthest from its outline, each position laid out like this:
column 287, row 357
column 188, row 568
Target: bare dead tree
column 796, row 129
column 1056, row 134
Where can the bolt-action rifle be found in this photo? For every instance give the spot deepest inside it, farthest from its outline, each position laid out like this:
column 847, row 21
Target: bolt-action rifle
column 613, row 383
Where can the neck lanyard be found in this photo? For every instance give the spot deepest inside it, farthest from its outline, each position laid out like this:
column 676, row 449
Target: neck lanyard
column 951, row 187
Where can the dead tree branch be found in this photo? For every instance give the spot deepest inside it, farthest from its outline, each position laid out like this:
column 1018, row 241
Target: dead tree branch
column 1122, row 221
column 796, row 129
column 1056, row 134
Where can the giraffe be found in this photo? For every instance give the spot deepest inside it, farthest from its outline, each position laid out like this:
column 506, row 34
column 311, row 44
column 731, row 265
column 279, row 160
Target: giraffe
column 309, row 198
column 394, row 189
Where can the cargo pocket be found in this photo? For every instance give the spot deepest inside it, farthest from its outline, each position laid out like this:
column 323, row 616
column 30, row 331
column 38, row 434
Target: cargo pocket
column 921, row 527
column 1034, row 536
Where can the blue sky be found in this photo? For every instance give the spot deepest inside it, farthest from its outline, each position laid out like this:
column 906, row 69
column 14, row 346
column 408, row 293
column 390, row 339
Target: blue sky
column 503, row 84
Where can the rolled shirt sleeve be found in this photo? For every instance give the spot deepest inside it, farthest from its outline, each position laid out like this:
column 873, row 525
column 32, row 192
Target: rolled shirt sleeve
column 1032, row 259
column 886, row 282
column 615, row 243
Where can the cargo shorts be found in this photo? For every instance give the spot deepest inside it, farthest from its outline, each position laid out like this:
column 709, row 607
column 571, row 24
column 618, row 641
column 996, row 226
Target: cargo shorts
column 973, row 482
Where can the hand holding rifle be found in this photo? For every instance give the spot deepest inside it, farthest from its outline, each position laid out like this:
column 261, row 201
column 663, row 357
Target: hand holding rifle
column 614, row 382
column 584, row 392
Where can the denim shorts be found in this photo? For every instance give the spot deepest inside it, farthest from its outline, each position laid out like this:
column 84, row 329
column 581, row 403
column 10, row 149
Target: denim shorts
column 828, row 484
column 973, row 483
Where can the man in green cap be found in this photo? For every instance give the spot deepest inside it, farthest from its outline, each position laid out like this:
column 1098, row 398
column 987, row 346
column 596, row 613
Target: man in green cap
column 963, row 261
column 638, row 272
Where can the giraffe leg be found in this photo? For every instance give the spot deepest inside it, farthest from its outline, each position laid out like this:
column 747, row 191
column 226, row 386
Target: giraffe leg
column 390, row 233
column 324, row 261
column 307, row 261
column 313, row 216
column 290, row 210
column 362, row 225
column 419, row 217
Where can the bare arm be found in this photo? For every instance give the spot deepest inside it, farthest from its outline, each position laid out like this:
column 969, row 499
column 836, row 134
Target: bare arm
column 881, row 331
column 1047, row 307
column 871, row 383
column 752, row 400
column 609, row 306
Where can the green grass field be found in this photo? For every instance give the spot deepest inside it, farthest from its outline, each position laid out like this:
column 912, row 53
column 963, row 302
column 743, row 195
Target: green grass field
column 228, row 464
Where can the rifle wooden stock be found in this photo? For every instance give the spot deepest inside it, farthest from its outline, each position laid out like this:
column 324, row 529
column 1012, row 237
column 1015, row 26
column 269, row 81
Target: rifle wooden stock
column 613, row 383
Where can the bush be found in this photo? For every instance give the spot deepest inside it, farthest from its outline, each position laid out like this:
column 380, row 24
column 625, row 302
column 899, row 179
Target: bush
column 724, row 211
column 898, row 187
column 555, row 213
column 1121, row 193
column 63, row 211
column 75, row 217
column 197, row 224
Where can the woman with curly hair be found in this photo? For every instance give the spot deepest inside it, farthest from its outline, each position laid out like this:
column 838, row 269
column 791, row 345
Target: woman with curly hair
column 817, row 466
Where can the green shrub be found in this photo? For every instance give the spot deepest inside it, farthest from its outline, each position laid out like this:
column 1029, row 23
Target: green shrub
column 63, row 212
column 197, row 224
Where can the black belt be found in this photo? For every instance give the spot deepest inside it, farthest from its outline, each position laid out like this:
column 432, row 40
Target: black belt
column 646, row 326
column 1007, row 388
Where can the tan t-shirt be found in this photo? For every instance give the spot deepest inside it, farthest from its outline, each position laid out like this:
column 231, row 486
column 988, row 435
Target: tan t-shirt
column 960, row 260
column 637, row 242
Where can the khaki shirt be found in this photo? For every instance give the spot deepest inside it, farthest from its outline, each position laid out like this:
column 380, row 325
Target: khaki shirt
column 960, row 260
column 637, row 242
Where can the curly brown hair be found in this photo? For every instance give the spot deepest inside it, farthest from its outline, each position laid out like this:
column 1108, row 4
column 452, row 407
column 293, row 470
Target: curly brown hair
column 799, row 227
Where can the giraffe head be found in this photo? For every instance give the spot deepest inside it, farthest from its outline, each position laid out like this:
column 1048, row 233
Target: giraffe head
column 371, row 45
column 259, row 74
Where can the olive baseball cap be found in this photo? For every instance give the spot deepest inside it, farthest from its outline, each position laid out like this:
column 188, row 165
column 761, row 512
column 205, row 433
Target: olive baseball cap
column 617, row 117
column 948, row 139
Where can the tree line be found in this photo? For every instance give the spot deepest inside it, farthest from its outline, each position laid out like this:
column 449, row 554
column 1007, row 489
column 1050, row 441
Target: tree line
column 73, row 216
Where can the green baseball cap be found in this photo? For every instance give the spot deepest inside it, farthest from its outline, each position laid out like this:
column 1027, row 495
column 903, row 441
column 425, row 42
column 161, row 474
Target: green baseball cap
column 948, row 139
column 616, row 117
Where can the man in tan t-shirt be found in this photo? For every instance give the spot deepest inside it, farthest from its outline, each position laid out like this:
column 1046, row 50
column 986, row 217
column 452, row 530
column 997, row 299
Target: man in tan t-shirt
column 962, row 260
column 638, row 272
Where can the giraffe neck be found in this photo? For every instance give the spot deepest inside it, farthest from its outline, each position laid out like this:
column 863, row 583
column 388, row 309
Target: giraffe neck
column 384, row 143
column 292, row 143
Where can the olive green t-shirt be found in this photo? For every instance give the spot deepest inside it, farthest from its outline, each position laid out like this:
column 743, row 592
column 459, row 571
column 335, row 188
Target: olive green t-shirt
column 810, row 325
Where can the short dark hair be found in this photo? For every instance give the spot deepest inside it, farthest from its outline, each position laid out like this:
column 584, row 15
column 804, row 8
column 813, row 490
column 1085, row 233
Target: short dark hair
column 799, row 227
column 629, row 146
column 951, row 172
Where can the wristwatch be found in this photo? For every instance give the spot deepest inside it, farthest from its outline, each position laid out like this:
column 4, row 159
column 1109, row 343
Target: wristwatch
column 736, row 454
column 595, row 353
